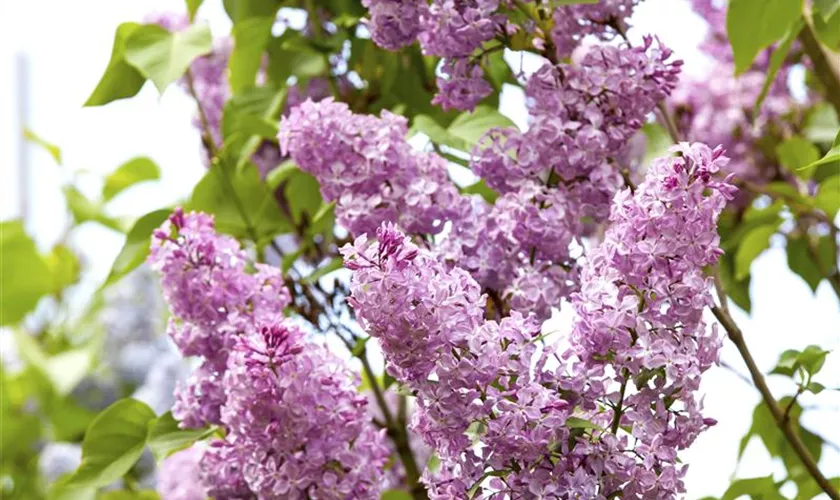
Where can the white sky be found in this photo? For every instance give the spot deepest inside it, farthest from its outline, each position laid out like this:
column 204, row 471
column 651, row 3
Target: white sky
column 67, row 45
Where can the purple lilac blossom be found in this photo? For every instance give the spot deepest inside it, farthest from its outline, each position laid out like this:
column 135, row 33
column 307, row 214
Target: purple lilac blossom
column 486, row 402
column 179, row 476
column 461, row 86
column 395, row 23
column 367, row 167
column 574, row 22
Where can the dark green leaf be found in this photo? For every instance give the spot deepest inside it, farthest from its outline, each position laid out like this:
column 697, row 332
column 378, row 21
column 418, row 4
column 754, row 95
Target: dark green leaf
column 482, row 189
column 753, row 244
column 753, row 25
column 24, row 275
column 245, row 121
column 816, row 387
column 396, row 495
column 113, row 443
column 250, row 39
column 828, row 30
column 163, row 56
column 136, row 246
column 165, row 437
column 121, row 79
column 129, row 173
column 737, row 290
column 241, row 202
column 800, row 262
column 49, row 147
column 239, row 10
column 780, row 53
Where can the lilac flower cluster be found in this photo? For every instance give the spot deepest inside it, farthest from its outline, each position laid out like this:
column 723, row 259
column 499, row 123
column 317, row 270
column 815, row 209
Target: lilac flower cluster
column 295, row 424
column 458, row 31
column 560, row 172
column 499, row 418
column 365, row 165
column 639, row 316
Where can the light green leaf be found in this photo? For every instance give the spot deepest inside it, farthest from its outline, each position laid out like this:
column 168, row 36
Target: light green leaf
column 165, row 437
column 437, row 134
column 64, row 266
column 753, row 244
column 241, row 202
column 780, row 53
column 113, row 443
column 24, row 275
column 120, row 79
column 828, row 30
column 795, row 153
column 471, row 127
column 821, row 124
column 84, row 210
column 813, row 359
column 51, row 148
column 136, row 246
column 832, row 155
column 239, row 10
column 163, row 56
column 580, row 423
column 250, row 39
column 129, row 173
column 753, row 25
column 828, row 196
column 657, row 142
column 247, row 120
column 129, row 495
column 763, row 488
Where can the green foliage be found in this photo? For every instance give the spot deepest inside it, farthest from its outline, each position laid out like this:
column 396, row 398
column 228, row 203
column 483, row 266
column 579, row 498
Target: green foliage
column 24, row 275
column 800, row 257
column 754, row 243
column 241, row 202
column 251, row 37
column 833, row 154
column 49, row 147
column 396, row 495
column 136, row 246
column 163, row 56
column 120, row 79
column 247, row 121
column 113, row 443
column 780, row 53
column 465, row 131
column 753, row 25
column 128, row 174
column 811, row 360
column 482, row 189
column 165, row 437
column 795, row 153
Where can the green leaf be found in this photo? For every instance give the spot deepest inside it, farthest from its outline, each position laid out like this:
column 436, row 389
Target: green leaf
column 303, row 196
column 85, row 210
column 759, row 488
column 815, row 387
column 753, row 25
column 780, row 53
column 24, row 275
column 482, row 189
column 801, row 261
column 247, row 120
column 755, row 242
column 795, row 153
column 136, row 246
column 51, row 148
column 250, row 37
column 437, row 134
column 832, row 155
column 471, row 127
column 291, row 55
column 163, row 56
column 113, row 443
column 826, row 8
column 129, row 495
column 120, row 79
column 580, row 423
column 811, row 489
column 334, row 264
column 192, row 8
column 64, row 266
column 239, row 10
column 67, row 369
column 828, row 29
column 812, row 359
column 657, row 142
column 821, row 124
column 165, row 437
column 241, row 202
column 129, row 173
column 737, row 290
column 396, row 495
column 828, row 196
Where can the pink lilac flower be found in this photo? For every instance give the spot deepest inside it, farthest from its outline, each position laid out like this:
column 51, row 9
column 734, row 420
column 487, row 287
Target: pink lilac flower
column 462, row 85
column 395, row 23
column 365, row 164
column 179, row 476
column 574, row 22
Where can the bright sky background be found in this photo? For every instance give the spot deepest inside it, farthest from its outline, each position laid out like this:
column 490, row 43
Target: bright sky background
column 66, row 46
